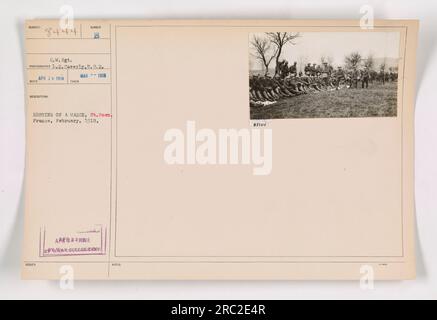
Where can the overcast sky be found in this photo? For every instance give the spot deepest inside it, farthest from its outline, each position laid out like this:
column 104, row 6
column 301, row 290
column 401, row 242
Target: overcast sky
column 311, row 46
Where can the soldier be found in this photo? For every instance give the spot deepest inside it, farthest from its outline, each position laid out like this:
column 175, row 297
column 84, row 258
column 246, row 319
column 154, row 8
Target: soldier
column 270, row 88
column 283, row 68
column 341, row 78
column 319, row 70
column 335, row 77
column 373, row 76
column 262, row 91
column 308, row 69
column 254, row 100
column 309, row 84
column 355, row 76
column 330, row 69
column 365, row 78
column 293, row 85
column 314, row 70
column 324, row 74
column 293, row 69
column 284, row 88
column 255, row 89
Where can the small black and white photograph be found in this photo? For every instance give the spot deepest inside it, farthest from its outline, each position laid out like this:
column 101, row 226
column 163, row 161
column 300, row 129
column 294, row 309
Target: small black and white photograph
column 323, row 74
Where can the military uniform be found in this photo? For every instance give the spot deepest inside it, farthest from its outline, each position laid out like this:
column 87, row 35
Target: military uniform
column 293, row 70
column 365, row 79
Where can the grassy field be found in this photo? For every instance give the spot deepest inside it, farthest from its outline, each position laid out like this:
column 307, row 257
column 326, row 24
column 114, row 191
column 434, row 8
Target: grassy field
column 376, row 101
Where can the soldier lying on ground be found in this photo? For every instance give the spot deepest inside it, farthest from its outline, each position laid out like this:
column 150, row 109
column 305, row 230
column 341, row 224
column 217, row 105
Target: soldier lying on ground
column 265, row 90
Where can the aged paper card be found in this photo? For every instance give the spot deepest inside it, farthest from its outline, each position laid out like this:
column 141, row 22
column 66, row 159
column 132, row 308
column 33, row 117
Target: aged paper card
column 219, row 149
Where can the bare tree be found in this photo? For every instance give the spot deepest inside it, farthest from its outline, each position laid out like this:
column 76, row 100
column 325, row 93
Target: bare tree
column 353, row 61
column 263, row 51
column 279, row 40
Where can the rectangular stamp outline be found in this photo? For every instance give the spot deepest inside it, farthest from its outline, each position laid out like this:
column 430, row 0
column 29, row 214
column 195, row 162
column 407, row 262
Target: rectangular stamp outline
column 101, row 252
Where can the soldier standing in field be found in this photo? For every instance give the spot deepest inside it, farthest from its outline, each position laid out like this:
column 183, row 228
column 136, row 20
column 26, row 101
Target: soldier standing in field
column 293, row 69
column 365, row 78
column 308, row 69
column 355, row 78
column 314, row 70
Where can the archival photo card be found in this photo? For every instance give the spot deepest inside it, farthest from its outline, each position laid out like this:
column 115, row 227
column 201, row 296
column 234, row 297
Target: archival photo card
column 323, row 74
column 145, row 161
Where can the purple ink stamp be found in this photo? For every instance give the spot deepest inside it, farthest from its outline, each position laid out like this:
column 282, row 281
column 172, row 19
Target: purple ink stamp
column 90, row 242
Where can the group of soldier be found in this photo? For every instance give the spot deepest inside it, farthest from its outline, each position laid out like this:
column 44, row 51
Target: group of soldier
column 287, row 82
